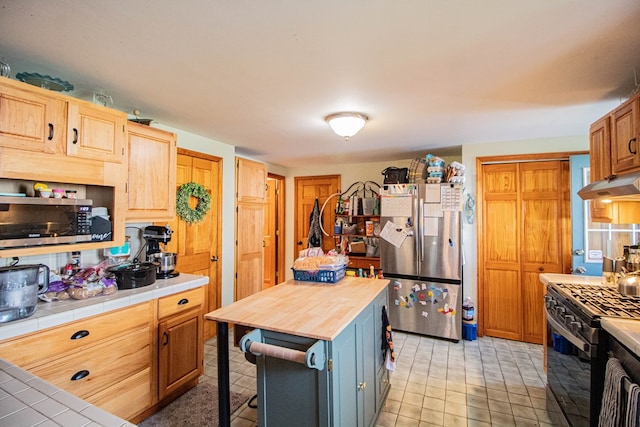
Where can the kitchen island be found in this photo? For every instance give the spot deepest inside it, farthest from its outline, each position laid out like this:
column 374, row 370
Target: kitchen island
column 331, row 363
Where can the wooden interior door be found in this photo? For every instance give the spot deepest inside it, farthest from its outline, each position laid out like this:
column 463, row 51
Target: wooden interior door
column 500, row 274
column 543, row 188
column 270, row 228
column 307, row 189
column 273, row 231
column 524, row 230
column 251, row 190
column 198, row 245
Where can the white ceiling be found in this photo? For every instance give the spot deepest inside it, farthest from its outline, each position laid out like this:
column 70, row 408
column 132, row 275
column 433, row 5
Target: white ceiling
column 262, row 75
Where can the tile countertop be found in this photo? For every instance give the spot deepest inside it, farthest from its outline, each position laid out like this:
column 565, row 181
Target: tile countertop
column 571, row 278
column 59, row 312
column 627, row 331
column 26, row 400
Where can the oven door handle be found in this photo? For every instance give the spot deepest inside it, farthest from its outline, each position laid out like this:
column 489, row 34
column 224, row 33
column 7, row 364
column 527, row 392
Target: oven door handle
column 581, row 344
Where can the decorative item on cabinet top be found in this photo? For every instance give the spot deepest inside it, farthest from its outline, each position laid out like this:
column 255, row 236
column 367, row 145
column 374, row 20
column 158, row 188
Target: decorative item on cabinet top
column 44, row 81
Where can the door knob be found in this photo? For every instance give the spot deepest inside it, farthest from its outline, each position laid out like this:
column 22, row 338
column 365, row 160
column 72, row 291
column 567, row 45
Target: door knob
column 300, row 243
column 214, row 258
column 579, row 252
column 362, row 385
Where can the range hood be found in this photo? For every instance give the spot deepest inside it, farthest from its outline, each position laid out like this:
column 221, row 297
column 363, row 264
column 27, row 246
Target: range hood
column 624, row 187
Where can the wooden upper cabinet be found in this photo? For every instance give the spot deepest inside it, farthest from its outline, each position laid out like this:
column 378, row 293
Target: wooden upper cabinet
column 600, row 165
column 599, row 148
column 625, row 149
column 30, row 119
column 251, row 185
column 152, row 173
column 95, row 132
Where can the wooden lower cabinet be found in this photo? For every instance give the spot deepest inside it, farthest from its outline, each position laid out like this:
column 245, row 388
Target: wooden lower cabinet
column 180, row 340
column 100, row 359
column 180, row 353
column 98, row 367
column 126, row 397
column 129, row 362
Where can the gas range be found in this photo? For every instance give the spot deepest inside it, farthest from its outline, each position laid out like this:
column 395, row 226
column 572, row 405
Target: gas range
column 596, row 301
column 577, row 308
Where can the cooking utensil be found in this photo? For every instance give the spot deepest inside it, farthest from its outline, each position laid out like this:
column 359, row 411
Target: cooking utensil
column 134, row 275
column 629, row 285
column 19, row 289
column 166, row 261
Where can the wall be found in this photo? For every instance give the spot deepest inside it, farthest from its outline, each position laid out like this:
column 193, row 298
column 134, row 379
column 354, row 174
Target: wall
column 349, row 173
column 469, row 155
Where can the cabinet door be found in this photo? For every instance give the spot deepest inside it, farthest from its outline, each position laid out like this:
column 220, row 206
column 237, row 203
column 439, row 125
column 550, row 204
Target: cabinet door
column 181, row 351
column 30, row 120
column 624, row 138
column 366, row 382
column 251, row 180
column 152, row 174
column 95, row 132
column 600, row 164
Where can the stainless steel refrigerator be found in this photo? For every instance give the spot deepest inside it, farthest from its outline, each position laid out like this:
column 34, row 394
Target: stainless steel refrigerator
column 420, row 252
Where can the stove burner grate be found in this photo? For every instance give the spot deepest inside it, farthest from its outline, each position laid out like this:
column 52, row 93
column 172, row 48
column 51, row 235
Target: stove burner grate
column 599, row 301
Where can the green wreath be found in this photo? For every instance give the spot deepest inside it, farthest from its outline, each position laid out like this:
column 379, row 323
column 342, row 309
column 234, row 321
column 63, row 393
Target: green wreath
column 184, row 193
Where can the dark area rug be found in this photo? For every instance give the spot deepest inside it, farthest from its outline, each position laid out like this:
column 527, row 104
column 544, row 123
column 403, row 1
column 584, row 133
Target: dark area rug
column 197, row 407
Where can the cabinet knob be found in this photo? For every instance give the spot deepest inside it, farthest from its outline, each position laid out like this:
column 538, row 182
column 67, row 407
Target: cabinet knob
column 634, row 150
column 214, row 258
column 362, row 385
column 75, row 136
column 50, row 137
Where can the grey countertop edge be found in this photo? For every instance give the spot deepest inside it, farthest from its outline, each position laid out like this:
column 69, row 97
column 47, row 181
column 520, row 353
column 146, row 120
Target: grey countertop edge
column 50, row 314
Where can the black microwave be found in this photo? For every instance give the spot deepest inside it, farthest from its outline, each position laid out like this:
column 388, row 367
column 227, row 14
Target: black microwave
column 36, row 221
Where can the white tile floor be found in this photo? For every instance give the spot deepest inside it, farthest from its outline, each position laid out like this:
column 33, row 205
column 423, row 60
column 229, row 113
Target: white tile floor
column 486, row 382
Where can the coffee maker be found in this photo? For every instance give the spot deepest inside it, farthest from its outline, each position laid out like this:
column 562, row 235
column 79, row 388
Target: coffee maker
column 154, row 235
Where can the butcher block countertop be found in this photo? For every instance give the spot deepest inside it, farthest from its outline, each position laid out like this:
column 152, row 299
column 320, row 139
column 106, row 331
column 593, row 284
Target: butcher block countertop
column 306, row 309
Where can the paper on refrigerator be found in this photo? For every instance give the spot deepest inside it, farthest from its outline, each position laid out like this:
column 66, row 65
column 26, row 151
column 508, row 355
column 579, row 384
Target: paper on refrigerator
column 396, row 205
column 393, row 233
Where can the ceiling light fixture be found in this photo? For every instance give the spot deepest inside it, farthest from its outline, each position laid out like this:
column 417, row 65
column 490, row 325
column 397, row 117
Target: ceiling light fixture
column 346, row 124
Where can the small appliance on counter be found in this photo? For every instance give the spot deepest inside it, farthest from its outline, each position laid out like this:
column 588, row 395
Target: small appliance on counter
column 19, row 290
column 166, row 261
column 134, row 275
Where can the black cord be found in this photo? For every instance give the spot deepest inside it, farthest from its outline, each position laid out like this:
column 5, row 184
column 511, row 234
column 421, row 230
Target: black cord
column 252, row 405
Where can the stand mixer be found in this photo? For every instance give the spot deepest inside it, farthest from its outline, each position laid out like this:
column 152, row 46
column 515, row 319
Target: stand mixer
column 154, row 235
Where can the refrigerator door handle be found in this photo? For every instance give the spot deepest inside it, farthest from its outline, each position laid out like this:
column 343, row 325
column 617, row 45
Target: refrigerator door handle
column 416, row 227
column 420, row 230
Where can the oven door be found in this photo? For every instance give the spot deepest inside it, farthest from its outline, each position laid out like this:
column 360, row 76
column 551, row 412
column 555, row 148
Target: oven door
column 572, row 364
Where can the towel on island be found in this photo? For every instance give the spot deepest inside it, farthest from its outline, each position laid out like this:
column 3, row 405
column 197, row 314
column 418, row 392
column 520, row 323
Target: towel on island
column 633, row 400
column 611, row 412
column 387, row 342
